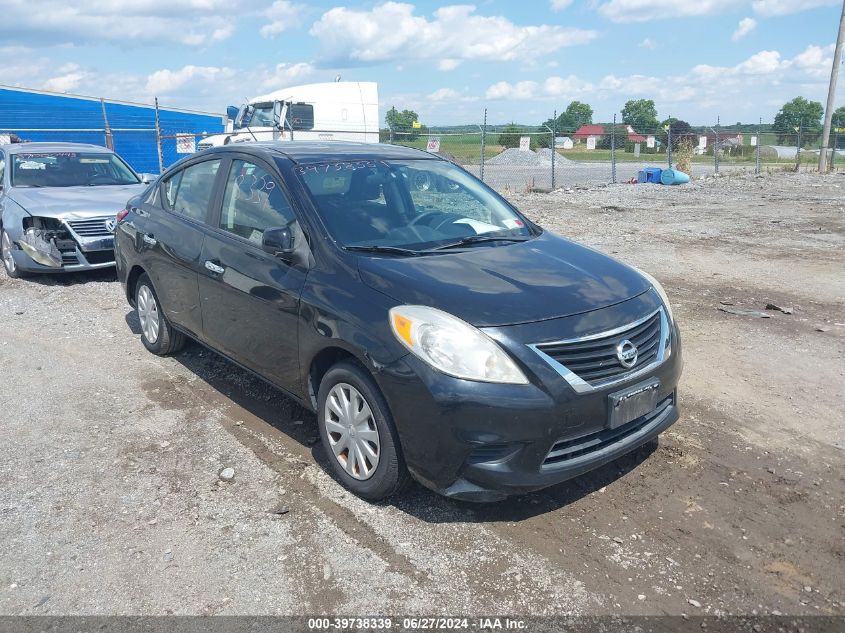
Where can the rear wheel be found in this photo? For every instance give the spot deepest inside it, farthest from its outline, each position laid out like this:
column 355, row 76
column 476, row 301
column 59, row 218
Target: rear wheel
column 358, row 433
column 9, row 264
column 157, row 335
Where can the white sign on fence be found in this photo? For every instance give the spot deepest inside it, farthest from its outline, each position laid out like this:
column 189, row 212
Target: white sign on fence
column 185, row 144
column 702, row 142
column 591, row 142
column 753, row 141
column 524, row 143
column 637, row 150
column 649, row 142
column 433, row 145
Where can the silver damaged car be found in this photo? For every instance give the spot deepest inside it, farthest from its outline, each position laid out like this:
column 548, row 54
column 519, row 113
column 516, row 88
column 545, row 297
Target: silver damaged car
column 58, row 203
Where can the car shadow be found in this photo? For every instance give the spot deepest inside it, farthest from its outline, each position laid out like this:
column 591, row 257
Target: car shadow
column 72, row 279
column 273, row 407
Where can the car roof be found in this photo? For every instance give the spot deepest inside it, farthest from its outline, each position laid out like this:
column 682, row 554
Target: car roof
column 315, row 152
column 26, row 148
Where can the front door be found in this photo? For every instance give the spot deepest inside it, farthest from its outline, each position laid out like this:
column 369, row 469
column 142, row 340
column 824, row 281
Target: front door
column 250, row 298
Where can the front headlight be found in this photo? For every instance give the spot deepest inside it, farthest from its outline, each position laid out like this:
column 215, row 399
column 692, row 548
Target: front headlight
column 660, row 291
column 453, row 346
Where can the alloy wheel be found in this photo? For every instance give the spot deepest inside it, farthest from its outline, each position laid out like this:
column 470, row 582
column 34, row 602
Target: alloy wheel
column 8, row 259
column 148, row 314
column 352, row 431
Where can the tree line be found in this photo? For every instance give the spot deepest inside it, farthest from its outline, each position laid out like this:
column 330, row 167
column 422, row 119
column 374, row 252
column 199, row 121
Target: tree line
column 797, row 116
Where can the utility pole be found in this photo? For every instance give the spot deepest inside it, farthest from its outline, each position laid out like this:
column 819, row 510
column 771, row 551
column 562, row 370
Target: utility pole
column 831, row 92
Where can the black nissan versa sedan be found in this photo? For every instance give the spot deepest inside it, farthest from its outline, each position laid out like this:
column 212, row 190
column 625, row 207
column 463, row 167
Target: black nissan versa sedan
column 436, row 331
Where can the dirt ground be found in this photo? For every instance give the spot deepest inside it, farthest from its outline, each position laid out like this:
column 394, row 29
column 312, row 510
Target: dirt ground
column 110, row 500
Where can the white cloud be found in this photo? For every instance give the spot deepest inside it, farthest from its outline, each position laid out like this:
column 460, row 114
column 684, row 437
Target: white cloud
column 188, row 22
column 448, row 64
column 559, row 5
column 647, row 10
column 785, row 7
column 164, row 82
column 392, row 31
column 566, row 86
column 69, row 78
column 444, row 94
column 283, row 16
column 745, row 26
column 519, row 90
column 648, row 44
column 284, row 75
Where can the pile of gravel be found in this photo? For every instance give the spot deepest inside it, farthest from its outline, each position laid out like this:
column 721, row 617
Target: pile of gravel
column 546, row 153
column 516, row 157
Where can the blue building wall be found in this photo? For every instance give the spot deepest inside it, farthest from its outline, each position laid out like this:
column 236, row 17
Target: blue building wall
column 44, row 116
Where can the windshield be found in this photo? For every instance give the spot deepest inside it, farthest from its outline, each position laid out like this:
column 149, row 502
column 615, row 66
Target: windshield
column 69, row 169
column 408, row 204
column 255, row 115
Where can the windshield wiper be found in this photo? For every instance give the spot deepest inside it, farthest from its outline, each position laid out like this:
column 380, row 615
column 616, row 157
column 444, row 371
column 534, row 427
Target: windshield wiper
column 391, row 250
column 478, row 239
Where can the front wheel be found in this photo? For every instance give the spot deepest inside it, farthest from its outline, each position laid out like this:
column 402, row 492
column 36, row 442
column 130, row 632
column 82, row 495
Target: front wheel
column 358, row 433
column 9, row 264
column 157, row 335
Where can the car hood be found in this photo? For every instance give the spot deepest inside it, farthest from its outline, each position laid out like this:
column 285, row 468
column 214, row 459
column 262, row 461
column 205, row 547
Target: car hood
column 81, row 202
column 544, row 278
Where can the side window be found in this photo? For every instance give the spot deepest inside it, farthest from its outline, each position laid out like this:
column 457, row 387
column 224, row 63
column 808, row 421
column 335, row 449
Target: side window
column 171, row 188
column 253, row 201
column 189, row 191
column 301, row 116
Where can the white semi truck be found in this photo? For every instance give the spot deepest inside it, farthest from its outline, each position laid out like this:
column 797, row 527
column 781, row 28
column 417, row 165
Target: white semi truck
column 336, row 111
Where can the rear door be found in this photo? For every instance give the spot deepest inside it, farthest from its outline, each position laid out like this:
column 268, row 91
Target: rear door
column 250, row 299
column 171, row 235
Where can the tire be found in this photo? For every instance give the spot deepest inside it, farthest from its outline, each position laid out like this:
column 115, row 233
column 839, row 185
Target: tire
column 157, row 335
column 6, row 248
column 389, row 474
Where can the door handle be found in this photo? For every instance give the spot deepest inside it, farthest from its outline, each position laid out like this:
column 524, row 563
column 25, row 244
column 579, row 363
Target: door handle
column 219, row 270
column 149, row 239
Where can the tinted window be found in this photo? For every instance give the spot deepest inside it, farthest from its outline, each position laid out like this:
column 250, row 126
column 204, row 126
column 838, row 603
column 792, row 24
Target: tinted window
column 189, row 191
column 253, row 202
column 301, row 116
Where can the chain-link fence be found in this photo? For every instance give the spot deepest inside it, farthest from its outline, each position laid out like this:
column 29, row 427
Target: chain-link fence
column 535, row 158
column 509, row 158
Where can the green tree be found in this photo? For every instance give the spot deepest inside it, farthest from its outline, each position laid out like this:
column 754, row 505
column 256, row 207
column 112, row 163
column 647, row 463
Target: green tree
column 799, row 113
column 838, row 117
column 621, row 134
column 640, row 114
column 402, row 122
column 576, row 114
column 681, row 131
column 509, row 137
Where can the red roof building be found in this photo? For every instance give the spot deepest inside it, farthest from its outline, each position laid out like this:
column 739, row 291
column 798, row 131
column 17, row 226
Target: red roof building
column 586, row 131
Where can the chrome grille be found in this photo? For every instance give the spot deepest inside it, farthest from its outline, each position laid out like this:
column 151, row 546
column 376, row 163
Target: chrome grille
column 95, row 227
column 592, row 361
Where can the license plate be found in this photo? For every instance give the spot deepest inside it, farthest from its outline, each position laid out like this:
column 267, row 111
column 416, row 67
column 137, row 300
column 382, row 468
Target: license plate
column 634, row 402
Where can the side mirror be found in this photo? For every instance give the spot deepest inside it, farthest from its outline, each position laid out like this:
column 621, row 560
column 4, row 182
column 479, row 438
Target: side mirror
column 147, row 178
column 232, row 112
column 278, row 241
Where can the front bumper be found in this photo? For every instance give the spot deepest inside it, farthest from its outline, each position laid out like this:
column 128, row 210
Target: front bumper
column 483, row 442
column 78, row 262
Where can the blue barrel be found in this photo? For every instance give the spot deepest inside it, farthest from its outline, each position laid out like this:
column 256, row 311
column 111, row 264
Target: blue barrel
column 673, row 177
column 649, row 174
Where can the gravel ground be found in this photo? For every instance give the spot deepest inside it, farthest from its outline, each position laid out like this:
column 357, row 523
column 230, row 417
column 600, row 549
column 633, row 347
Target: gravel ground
column 111, row 500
